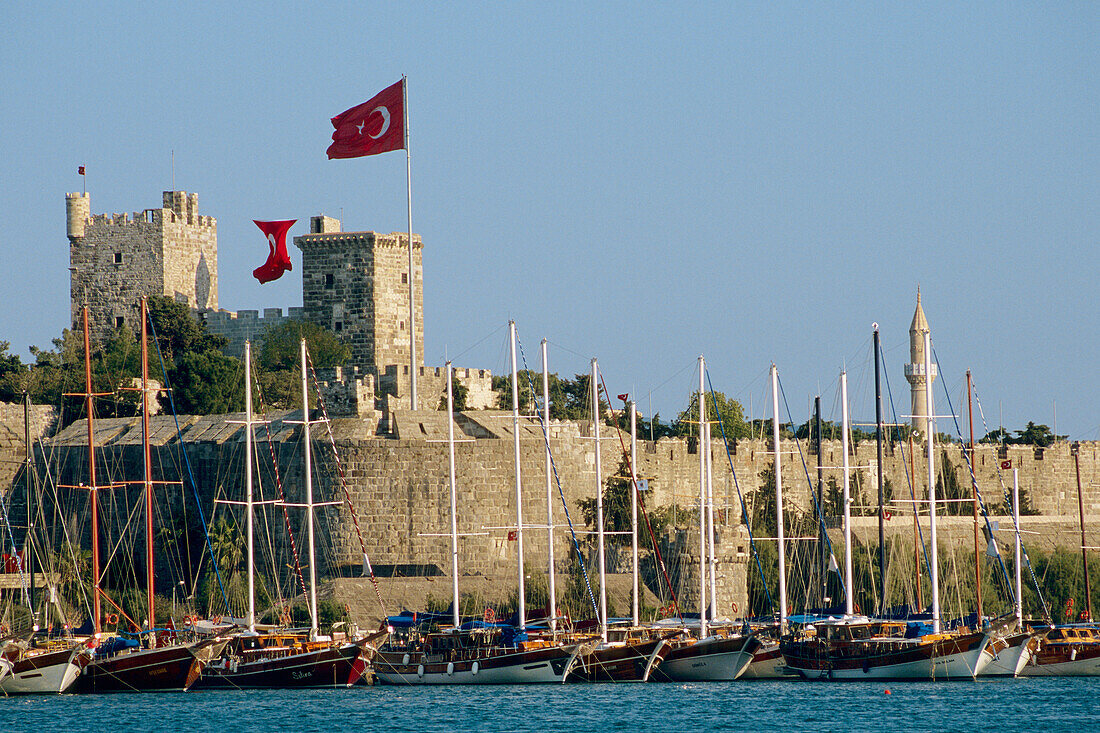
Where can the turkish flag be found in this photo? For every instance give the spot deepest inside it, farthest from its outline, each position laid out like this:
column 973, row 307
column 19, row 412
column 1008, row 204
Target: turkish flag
column 375, row 126
column 278, row 261
column 1006, row 465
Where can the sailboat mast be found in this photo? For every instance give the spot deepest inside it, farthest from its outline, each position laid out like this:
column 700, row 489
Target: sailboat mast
column 599, row 499
column 456, row 620
column 779, row 504
column 308, row 467
column 881, row 480
column 712, row 558
column 974, row 497
column 28, row 540
column 92, row 485
column 519, row 485
column 1076, row 449
column 551, row 574
column 147, row 463
column 849, row 596
column 822, row 545
column 702, row 413
column 635, row 615
column 931, row 430
column 1019, row 607
column 248, row 483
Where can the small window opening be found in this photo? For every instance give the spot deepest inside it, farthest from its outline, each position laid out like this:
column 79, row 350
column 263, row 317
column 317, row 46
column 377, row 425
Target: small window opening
column 119, row 321
column 118, row 258
column 330, row 280
column 404, row 278
column 338, row 326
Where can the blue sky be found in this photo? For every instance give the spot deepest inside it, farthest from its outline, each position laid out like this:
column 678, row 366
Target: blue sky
column 753, row 182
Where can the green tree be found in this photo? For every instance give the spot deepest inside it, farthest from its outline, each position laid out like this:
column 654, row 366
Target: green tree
column 459, row 393
column 178, row 331
column 205, row 383
column 720, row 408
column 282, row 347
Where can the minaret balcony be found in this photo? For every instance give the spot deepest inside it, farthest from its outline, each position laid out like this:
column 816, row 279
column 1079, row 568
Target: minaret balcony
column 917, row 370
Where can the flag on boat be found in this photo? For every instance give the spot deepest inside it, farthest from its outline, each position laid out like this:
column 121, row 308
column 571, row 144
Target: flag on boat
column 80, row 170
column 278, row 261
column 375, row 126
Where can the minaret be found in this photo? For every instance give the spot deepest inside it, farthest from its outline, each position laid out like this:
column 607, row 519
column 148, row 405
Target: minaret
column 914, row 370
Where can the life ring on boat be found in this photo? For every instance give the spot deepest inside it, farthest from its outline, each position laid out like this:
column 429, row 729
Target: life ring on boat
column 490, row 615
column 856, row 608
column 733, row 607
column 190, row 620
column 112, row 618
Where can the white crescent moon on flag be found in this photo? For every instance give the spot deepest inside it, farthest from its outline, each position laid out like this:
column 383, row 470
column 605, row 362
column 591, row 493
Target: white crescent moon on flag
column 385, row 121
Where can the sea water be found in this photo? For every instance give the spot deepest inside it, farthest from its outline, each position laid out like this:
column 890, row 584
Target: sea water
column 1047, row 705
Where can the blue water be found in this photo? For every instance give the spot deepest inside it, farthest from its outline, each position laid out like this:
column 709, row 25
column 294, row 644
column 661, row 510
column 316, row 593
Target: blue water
column 1048, row 705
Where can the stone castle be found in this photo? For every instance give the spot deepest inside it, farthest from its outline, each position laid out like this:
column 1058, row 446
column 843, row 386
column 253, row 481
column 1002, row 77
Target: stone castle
column 354, row 284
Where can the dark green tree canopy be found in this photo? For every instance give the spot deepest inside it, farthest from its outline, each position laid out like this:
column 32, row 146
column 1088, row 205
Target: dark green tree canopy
column 719, row 409
column 282, row 344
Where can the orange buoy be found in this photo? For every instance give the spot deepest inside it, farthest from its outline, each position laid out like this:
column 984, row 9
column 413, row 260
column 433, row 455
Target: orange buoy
column 888, row 691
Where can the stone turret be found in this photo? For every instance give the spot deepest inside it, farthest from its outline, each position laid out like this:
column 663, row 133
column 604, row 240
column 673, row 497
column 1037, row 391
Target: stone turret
column 914, row 370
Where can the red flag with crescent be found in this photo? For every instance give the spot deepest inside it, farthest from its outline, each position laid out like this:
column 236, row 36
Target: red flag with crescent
column 278, row 261
column 375, row 126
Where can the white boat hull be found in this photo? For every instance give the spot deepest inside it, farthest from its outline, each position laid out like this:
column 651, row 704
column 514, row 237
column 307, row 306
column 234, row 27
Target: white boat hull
column 498, row 670
column 721, row 667
column 1010, row 662
column 53, row 678
column 1075, row 668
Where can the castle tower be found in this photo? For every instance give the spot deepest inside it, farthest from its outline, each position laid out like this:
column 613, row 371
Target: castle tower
column 914, row 370
column 356, row 285
column 114, row 260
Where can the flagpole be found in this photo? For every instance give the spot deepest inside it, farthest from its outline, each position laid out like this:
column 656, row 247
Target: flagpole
column 412, row 279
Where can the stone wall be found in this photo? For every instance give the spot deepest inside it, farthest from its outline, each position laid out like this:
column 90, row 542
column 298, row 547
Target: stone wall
column 43, row 421
column 246, row 325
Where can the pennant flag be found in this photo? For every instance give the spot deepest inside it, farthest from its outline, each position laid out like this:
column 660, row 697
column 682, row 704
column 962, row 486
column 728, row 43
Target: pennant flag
column 278, row 261
column 375, row 126
column 833, row 567
column 1006, row 465
column 80, row 170
column 624, row 397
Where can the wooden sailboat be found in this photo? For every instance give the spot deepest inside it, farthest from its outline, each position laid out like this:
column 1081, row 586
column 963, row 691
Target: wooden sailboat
column 120, row 665
column 284, row 659
column 718, row 654
column 29, row 671
column 1071, row 650
column 477, row 652
column 855, row 647
column 768, row 662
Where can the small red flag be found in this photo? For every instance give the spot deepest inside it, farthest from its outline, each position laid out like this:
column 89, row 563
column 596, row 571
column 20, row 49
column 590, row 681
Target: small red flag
column 512, row 535
column 1005, row 465
column 624, row 397
column 80, row 170
column 278, row 261
column 375, row 126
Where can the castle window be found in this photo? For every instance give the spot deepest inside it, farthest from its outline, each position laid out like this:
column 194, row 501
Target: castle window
column 118, row 258
column 330, row 280
column 402, row 325
column 119, row 321
column 404, row 278
column 338, row 326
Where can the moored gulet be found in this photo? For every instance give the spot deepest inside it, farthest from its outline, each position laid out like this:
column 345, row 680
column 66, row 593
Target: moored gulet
column 156, row 662
column 31, row 671
column 269, row 658
column 476, row 652
column 857, row 647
